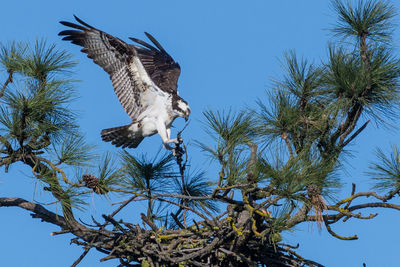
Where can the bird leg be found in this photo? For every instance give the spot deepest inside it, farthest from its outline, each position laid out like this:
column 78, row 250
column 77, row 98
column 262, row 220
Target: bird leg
column 169, row 133
column 175, row 140
column 165, row 135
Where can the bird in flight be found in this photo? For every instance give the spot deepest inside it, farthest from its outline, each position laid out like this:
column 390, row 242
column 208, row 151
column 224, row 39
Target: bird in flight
column 144, row 78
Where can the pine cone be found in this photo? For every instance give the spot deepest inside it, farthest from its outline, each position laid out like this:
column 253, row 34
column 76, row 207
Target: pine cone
column 92, row 182
column 313, row 190
column 317, row 202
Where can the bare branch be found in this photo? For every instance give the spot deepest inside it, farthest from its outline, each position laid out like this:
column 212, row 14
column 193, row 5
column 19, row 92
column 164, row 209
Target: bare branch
column 9, row 80
column 38, row 210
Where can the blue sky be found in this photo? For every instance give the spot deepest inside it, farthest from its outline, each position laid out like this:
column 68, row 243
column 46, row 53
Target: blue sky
column 228, row 51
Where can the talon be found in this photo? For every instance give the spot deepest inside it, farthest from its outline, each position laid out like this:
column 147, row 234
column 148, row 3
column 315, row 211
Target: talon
column 175, row 141
column 167, row 146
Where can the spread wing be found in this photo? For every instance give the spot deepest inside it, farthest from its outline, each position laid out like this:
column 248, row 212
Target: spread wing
column 161, row 67
column 120, row 60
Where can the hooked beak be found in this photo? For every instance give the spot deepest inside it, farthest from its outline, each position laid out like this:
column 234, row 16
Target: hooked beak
column 187, row 115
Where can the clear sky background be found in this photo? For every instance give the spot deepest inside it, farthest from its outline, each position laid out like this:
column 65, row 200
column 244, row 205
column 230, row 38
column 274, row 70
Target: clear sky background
column 228, row 51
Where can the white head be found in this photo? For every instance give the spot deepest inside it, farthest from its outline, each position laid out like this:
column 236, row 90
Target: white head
column 180, row 107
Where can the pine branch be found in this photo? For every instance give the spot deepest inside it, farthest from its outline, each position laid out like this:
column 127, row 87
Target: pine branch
column 38, row 211
column 54, row 186
column 9, row 80
column 355, row 134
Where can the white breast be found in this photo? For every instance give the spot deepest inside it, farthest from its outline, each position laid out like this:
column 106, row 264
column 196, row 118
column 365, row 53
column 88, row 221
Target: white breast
column 158, row 107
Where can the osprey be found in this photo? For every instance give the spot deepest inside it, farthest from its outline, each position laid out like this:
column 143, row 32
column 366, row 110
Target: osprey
column 144, row 78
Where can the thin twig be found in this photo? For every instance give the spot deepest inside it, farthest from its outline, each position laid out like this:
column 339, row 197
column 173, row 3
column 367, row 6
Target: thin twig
column 9, row 80
column 123, row 205
column 355, row 134
column 81, row 257
column 149, row 222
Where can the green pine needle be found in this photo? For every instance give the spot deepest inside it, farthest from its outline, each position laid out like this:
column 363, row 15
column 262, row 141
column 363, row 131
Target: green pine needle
column 74, row 151
column 231, row 130
column 37, row 103
column 39, row 62
column 348, row 82
column 386, row 171
column 370, row 17
column 143, row 174
column 109, row 173
column 196, row 184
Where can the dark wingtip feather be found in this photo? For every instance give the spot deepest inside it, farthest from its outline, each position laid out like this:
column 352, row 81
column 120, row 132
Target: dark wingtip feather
column 143, row 43
column 69, row 32
column 67, row 38
column 82, row 22
column 73, row 25
column 154, row 41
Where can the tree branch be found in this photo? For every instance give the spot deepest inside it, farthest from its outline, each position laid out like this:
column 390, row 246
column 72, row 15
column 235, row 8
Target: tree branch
column 38, row 210
column 9, row 80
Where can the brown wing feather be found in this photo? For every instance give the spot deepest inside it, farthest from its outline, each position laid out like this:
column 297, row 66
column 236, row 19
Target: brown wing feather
column 160, row 66
column 114, row 56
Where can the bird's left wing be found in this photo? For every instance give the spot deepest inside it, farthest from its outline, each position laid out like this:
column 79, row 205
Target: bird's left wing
column 160, row 66
column 118, row 59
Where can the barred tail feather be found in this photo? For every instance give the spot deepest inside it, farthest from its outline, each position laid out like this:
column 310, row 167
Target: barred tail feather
column 122, row 136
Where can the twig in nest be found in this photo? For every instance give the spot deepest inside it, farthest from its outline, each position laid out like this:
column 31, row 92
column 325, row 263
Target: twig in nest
column 114, row 222
column 86, row 224
column 149, row 222
column 177, row 221
column 60, row 232
column 81, row 257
